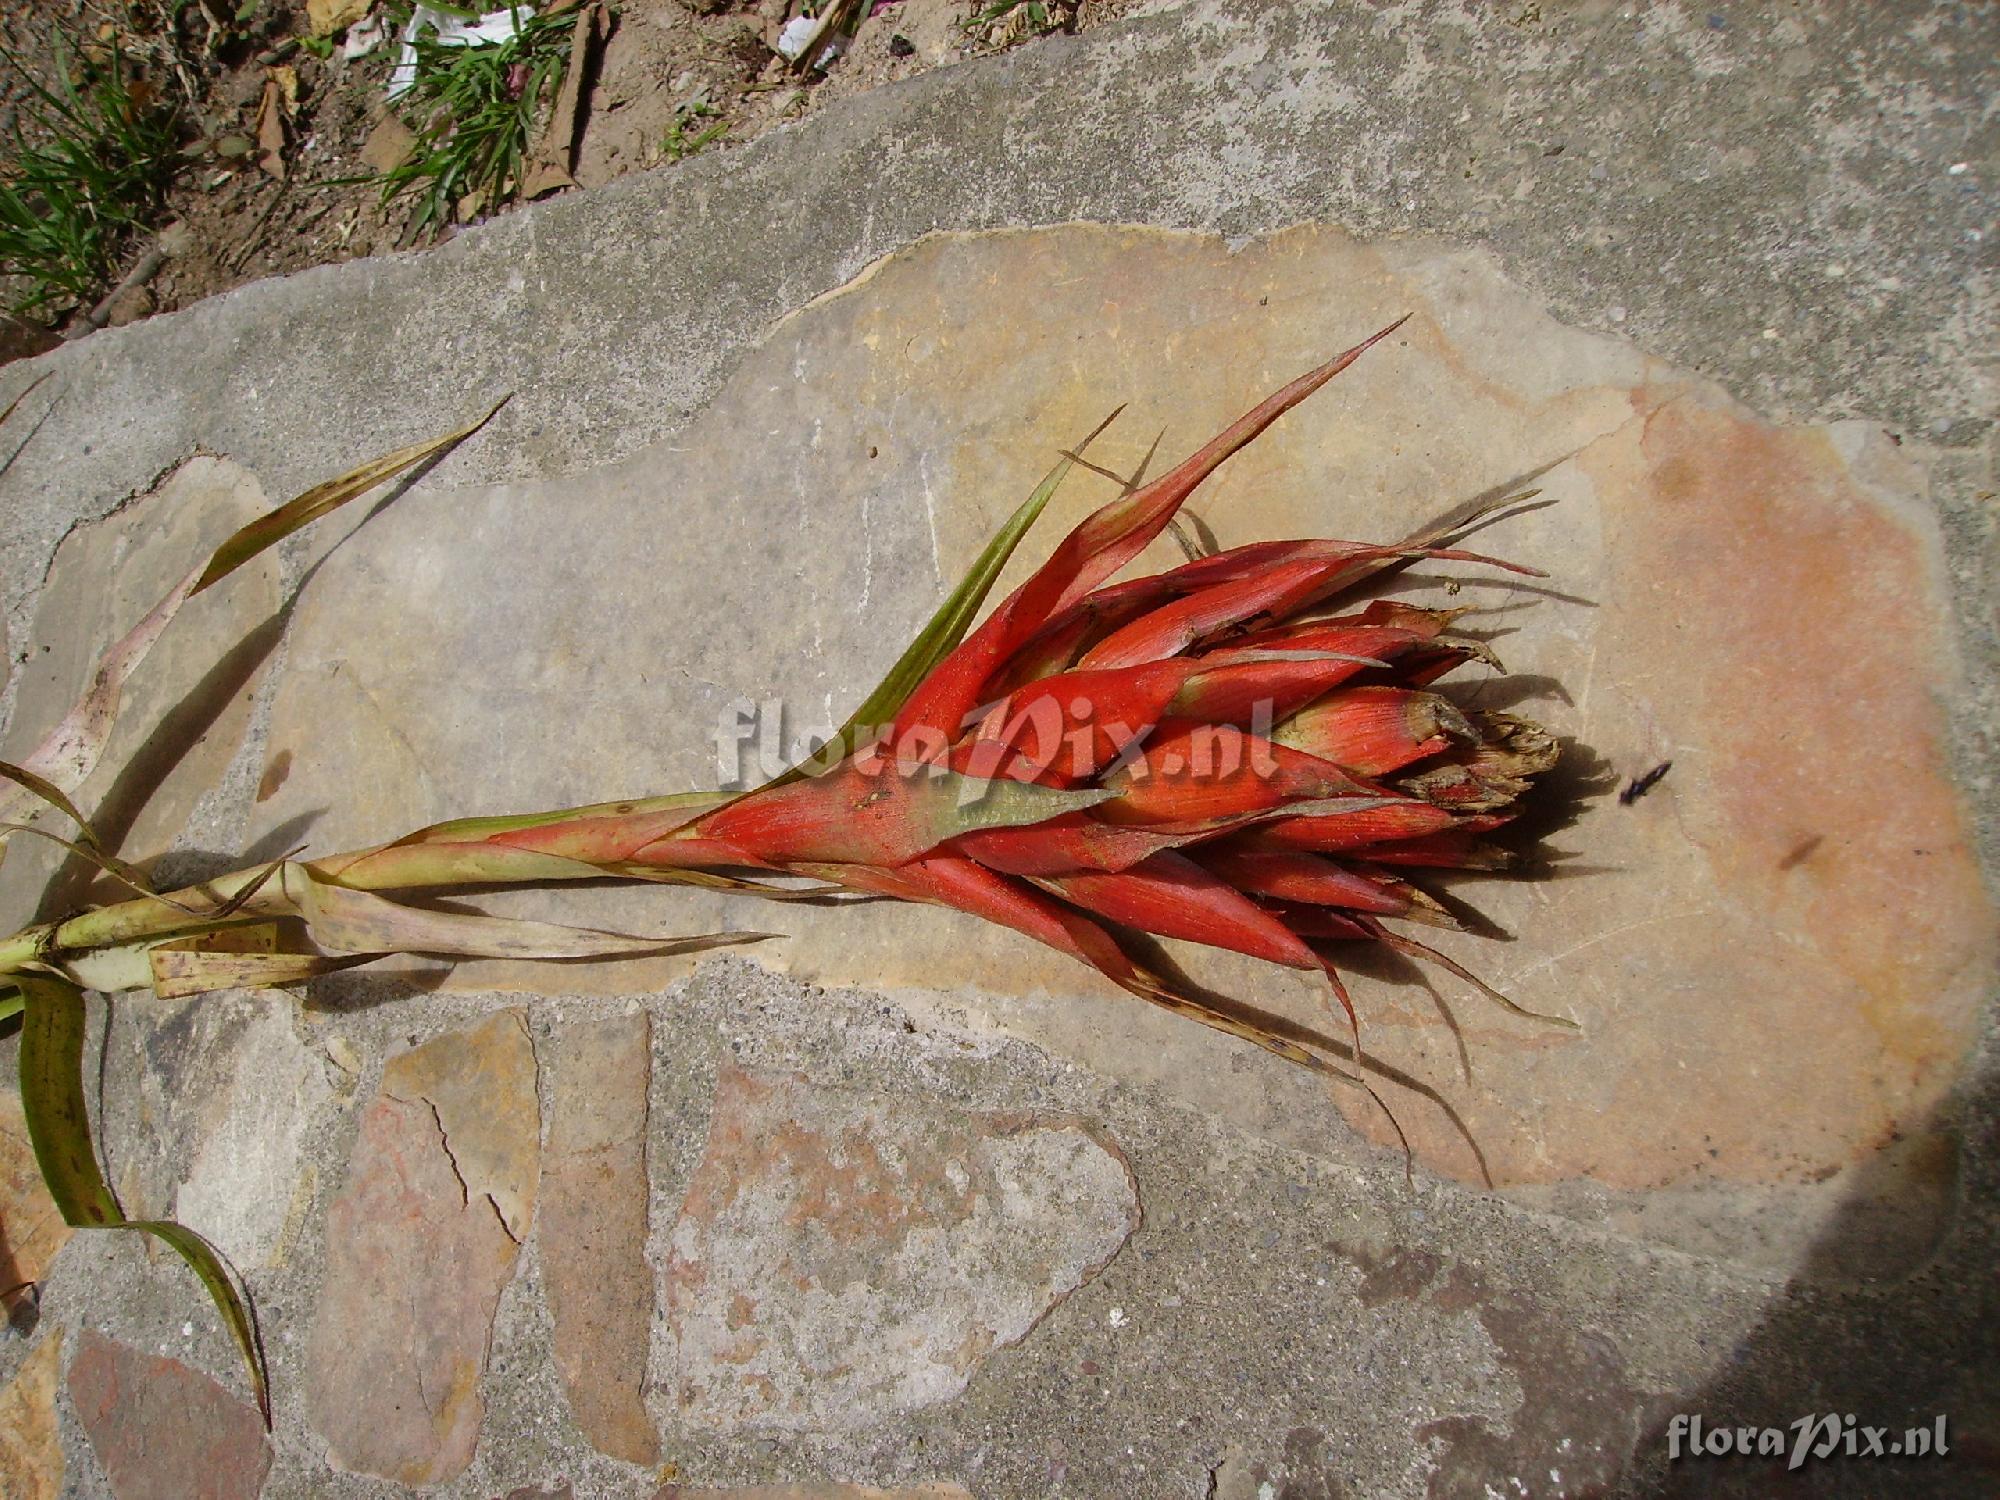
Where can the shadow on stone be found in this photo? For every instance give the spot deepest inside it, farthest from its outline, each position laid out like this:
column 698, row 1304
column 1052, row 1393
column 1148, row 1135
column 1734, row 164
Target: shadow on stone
column 1892, row 1352
column 352, row 993
column 1155, row 957
column 141, row 776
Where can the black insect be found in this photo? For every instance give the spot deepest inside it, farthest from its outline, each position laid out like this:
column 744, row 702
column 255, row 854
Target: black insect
column 1640, row 785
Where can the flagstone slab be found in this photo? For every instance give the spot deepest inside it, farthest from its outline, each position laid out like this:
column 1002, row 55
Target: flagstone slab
column 1761, row 607
column 258, row 1095
column 594, row 1196
column 31, row 1454
column 419, row 1245
column 164, row 1431
column 842, row 1257
column 184, row 712
column 31, row 1228
column 217, row 1102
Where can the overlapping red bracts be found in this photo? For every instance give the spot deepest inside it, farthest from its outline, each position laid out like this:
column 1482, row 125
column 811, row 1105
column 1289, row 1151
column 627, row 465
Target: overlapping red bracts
column 1225, row 758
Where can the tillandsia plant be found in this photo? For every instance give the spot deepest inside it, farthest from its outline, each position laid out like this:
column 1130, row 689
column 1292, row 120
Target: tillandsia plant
column 1222, row 753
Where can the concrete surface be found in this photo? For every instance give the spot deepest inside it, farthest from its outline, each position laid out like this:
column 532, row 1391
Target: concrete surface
column 1796, row 206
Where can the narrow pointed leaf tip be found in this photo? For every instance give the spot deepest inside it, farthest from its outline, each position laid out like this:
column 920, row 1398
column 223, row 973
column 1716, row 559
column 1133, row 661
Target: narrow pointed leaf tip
column 301, row 510
column 1098, row 547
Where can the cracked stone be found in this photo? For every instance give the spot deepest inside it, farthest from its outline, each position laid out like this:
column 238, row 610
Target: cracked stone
column 480, row 1084
column 593, row 1228
column 844, row 1257
column 163, row 1431
column 419, row 1249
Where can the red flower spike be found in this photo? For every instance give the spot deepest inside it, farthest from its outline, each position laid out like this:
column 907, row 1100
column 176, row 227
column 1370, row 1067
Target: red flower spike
column 1178, row 755
column 1200, row 771
column 1309, row 878
column 1361, row 829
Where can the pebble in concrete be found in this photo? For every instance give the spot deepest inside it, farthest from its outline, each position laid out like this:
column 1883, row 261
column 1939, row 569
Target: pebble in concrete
column 164, row 1431
column 843, row 1257
column 593, row 1229
column 420, row 1241
column 31, row 1455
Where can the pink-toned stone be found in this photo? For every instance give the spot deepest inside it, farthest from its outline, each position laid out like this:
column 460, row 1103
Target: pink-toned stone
column 31, row 1230
column 31, row 1455
column 164, row 1431
column 593, row 1229
column 481, row 1082
column 418, row 1251
column 843, row 1257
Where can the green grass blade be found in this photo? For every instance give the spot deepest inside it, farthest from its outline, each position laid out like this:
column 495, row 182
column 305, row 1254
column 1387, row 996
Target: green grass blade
column 276, row 525
column 953, row 618
column 58, row 1120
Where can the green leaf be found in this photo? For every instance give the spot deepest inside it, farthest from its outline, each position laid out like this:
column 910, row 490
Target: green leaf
column 274, row 526
column 948, row 626
column 952, row 804
column 208, row 1265
column 52, row 1099
column 59, row 1128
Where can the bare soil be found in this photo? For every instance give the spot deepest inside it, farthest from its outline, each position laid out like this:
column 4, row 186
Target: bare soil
column 237, row 212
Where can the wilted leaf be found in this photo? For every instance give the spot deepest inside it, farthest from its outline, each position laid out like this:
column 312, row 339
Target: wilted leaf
column 179, row 972
column 276, row 525
column 271, row 130
column 350, row 921
column 59, row 1128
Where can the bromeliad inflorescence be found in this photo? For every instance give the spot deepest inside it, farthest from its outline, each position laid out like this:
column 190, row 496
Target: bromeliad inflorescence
column 1225, row 753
